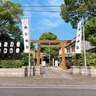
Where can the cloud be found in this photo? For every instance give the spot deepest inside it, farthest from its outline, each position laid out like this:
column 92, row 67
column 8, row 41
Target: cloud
column 55, row 2
column 48, row 24
column 51, row 15
column 28, row 3
column 50, row 20
column 27, row 13
column 35, row 2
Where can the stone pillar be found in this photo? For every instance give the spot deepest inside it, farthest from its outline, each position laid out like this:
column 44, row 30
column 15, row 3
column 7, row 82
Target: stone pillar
column 53, row 61
column 38, row 55
column 23, row 71
column 63, row 64
column 37, row 70
column 32, row 69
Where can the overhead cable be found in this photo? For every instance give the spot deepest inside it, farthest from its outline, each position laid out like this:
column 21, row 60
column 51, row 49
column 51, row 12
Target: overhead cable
column 42, row 11
column 43, row 6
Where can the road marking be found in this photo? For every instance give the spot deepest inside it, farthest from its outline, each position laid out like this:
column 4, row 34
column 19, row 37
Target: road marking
column 53, row 87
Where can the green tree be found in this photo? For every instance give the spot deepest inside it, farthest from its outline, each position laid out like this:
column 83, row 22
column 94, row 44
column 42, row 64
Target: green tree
column 90, row 31
column 54, row 52
column 48, row 36
column 73, row 10
column 10, row 14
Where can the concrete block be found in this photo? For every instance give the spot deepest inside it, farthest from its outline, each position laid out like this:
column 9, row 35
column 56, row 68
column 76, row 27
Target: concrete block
column 37, row 70
column 76, row 70
column 93, row 72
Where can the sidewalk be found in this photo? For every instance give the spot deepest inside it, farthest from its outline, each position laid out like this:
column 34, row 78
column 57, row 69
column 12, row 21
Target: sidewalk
column 50, row 77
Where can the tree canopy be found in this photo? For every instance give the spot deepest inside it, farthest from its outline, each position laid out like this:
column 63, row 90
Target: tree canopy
column 10, row 14
column 90, row 31
column 73, row 10
column 54, row 52
column 48, row 36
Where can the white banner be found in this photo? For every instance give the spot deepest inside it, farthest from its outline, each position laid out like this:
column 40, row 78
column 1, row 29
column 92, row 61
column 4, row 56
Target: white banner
column 25, row 29
column 79, row 37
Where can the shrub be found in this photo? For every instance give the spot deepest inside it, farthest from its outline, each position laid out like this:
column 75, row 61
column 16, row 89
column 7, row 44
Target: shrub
column 16, row 63
column 78, row 59
column 25, row 57
column 11, row 63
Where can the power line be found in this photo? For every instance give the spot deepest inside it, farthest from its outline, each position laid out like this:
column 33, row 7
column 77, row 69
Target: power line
column 42, row 11
column 43, row 6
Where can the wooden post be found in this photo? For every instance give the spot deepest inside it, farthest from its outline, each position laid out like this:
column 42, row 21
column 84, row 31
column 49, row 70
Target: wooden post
column 63, row 65
column 38, row 55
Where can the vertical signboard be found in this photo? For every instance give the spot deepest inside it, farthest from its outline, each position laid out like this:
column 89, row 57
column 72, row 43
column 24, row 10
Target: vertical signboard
column 79, row 37
column 25, row 29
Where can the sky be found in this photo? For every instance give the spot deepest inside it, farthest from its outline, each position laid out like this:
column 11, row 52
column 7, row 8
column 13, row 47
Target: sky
column 45, row 21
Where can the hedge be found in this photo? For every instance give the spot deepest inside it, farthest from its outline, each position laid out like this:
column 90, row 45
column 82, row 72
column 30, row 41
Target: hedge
column 78, row 60
column 16, row 63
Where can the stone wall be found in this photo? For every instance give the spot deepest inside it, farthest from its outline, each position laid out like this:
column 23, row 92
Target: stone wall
column 81, row 70
column 19, row 72
column 12, row 72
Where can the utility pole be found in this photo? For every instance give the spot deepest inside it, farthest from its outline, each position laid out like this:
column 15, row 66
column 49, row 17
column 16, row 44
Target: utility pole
column 49, row 53
column 84, row 49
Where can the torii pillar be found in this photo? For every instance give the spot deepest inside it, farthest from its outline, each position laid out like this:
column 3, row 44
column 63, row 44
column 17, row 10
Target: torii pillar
column 38, row 55
column 63, row 65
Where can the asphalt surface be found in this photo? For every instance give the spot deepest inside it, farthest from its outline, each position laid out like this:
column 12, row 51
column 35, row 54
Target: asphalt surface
column 46, row 91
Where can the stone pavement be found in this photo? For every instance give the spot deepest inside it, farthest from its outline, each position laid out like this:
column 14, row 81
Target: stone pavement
column 56, row 72
column 51, row 76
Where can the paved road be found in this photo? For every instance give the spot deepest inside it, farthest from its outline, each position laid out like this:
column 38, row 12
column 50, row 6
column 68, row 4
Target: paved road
column 46, row 91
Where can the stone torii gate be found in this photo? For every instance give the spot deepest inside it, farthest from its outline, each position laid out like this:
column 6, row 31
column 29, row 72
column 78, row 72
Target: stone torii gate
column 61, row 45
